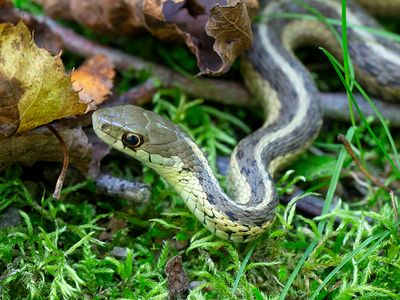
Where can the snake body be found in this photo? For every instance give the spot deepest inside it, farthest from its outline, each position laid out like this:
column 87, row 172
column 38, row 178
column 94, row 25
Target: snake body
column 288, row 95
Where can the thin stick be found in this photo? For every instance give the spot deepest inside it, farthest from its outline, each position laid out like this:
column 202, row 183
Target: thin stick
column 137, row 95
column 394, row 205
column 350, row 151
column 63, row 173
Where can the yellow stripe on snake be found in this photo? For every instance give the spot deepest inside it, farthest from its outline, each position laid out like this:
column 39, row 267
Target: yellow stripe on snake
column 288, row 95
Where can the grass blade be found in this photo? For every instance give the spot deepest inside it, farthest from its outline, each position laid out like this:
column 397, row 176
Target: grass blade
column 243, row 266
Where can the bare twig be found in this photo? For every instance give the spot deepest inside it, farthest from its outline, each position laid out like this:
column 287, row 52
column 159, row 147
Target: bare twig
column 336, row 106
column 63, row 173
column 350, row 151
column 394, row 205
column 136, row 193
column 137, row 95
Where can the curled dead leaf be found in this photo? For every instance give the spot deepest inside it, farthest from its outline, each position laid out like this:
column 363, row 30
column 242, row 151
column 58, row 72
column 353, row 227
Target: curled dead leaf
column 217, row 32
column 230, row 27
column 34, row 88
column 93, row 80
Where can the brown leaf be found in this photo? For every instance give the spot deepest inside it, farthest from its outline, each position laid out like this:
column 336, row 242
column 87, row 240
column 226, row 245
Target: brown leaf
column 41, row 145
column 100, row 150
column 34, row 87
column 183, row 20
column 252, row 8
column 178, row 283
column 215, row 31
column 108, row 16
column 230, row 27
column 57, row 8
column 93, row 80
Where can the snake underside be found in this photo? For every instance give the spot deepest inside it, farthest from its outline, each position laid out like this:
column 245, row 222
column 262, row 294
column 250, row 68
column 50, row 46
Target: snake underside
column 288, row 95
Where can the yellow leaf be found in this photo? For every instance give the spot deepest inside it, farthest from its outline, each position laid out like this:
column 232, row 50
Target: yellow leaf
column 34, row 89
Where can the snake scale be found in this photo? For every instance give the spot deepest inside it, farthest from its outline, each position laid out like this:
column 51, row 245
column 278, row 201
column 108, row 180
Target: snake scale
column 288, row 95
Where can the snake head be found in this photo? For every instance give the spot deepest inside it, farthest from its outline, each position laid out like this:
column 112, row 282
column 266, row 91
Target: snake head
column 137, row 132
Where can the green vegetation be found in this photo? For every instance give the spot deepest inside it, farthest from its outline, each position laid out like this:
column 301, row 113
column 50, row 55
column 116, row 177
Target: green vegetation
column 60, row 250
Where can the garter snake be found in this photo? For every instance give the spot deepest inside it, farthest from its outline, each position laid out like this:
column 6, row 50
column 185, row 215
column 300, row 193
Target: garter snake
column 288, row 95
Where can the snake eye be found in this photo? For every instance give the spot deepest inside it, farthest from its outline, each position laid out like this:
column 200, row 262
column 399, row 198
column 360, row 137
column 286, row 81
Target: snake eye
column 132, row 140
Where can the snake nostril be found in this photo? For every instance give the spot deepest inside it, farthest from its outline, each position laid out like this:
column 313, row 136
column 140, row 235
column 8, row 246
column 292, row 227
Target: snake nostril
column 105, row 127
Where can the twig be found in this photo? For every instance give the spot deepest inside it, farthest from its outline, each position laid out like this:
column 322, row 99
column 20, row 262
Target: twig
column 309, row 206
column 137, row 95
column 335, row 106
column 136, row 193
column 63, row 173
column 350, row 151
column 394, row 205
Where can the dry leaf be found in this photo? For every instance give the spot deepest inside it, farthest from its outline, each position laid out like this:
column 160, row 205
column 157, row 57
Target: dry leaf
column 252, row 8
column 178, row 283
column 230, row 27
column 215, row 45
column 57, row 8
column 217, row 32
column 41, row 145
column 110, row 16
column 93, row 80
column 34, row 89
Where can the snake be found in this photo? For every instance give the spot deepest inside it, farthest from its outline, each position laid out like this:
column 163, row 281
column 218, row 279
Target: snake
column 288, row 95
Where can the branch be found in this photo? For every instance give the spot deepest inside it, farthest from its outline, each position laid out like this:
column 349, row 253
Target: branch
column 350, row 151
